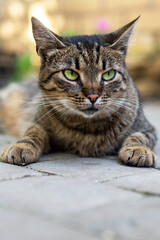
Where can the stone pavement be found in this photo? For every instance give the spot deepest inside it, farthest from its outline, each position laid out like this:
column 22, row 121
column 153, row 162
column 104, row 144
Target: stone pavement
column 65, row 197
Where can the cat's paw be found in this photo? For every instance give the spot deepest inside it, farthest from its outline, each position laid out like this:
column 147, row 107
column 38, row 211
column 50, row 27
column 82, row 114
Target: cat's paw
column 138, row 156
column 18, row 153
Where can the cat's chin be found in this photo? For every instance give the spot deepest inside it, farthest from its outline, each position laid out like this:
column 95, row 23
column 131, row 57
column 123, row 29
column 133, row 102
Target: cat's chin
column 89, row 112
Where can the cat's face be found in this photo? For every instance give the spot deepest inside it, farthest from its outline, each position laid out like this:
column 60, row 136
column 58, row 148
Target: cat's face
column 85, row 78
column 83, row 75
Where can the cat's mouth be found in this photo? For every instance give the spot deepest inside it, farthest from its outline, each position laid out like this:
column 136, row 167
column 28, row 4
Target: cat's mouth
column 90, row 110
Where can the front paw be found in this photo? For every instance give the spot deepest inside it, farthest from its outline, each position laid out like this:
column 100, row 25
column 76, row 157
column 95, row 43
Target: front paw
column 138, row 156
column 18, row 153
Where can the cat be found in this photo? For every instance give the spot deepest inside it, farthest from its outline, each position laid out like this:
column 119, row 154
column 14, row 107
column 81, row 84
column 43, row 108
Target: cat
column 18, row 102
column 89, row 106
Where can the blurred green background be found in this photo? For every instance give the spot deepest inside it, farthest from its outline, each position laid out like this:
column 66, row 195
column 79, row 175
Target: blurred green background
column 18, row 59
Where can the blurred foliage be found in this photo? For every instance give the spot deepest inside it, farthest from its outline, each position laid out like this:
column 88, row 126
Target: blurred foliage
column 69, row 33
column 23, row 65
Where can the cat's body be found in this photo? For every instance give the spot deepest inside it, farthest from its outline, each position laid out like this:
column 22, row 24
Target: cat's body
column 90, row 105
column 18, row 103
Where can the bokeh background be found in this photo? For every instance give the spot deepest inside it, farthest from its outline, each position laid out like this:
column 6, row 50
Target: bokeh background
column 18, row 59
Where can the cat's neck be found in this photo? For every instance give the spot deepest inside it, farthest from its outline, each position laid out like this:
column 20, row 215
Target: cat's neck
column 94, row 125
column 98, row 124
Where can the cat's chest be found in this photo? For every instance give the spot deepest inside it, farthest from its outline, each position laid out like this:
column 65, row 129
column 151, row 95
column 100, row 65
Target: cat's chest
column 85, row 144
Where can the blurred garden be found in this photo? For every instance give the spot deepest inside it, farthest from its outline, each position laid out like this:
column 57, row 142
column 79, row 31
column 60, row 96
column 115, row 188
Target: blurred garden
column 64, row 196
column 18, row 59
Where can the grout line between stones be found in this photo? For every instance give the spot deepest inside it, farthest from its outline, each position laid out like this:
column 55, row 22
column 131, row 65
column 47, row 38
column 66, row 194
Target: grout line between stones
column 144, row 193
column 16, row 178
column 27, row 175
column 44, row 172
column 158, row 168
column 116, row 178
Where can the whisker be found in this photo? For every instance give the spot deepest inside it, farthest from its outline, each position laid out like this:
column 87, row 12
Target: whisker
column 128, row 105
column 55, row 113
column 46, row 113
column 64, row 116
column 122, row 106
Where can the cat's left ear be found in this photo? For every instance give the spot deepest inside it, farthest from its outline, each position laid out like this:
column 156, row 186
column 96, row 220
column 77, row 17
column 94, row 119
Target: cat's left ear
column 120, row 38
column 45, row 39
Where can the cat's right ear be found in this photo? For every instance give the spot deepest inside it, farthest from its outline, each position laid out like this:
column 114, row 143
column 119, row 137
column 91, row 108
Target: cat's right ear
column 119, row 40
column 45, row 39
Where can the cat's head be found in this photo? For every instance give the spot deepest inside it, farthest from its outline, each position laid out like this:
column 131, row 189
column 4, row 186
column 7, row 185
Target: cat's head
column 84, row 75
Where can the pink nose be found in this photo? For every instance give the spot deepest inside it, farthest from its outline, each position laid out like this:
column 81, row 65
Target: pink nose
column 93, row 97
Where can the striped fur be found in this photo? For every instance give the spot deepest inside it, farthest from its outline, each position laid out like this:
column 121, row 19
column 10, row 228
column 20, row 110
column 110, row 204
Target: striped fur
column 67, row 119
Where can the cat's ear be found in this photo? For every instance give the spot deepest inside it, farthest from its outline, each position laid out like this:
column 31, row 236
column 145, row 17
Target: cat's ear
column 120, row 38
column 45, row 39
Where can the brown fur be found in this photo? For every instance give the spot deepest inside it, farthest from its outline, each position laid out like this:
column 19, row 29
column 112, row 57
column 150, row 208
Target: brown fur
column 68, row 120
column 17, row 102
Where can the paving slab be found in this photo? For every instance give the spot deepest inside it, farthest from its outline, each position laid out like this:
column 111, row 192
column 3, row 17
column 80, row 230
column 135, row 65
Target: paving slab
column 95, row 169
column 152, row 112
column 11, row 172
column 18, row 225
column 130, row 219
column 65, row 197
column 54, row 199
column 54, row 196
column 5, row 140
column 148, row 184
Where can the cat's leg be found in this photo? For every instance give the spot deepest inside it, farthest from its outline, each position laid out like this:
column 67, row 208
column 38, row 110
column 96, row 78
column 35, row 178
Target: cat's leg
column 28, row 149
column 136, row 150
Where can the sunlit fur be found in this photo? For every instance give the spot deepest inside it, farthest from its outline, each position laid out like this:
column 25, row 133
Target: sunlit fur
column 68, row 119
column 66, row 115
column 74, row 94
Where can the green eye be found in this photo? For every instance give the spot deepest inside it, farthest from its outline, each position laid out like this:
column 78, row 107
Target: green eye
column 107, row 76
column 70, row 74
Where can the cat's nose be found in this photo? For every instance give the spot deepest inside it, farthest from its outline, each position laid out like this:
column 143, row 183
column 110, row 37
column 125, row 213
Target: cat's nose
column 93, row 97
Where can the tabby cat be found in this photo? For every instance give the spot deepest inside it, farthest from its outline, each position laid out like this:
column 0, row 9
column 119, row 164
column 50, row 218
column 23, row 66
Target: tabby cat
column 90, row 106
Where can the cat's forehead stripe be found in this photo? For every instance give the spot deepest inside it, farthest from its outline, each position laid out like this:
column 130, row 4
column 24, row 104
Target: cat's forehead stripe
column 90, row 53
column 104, row 64
column 83, row 56
column 77, row 63
column 97, row 48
